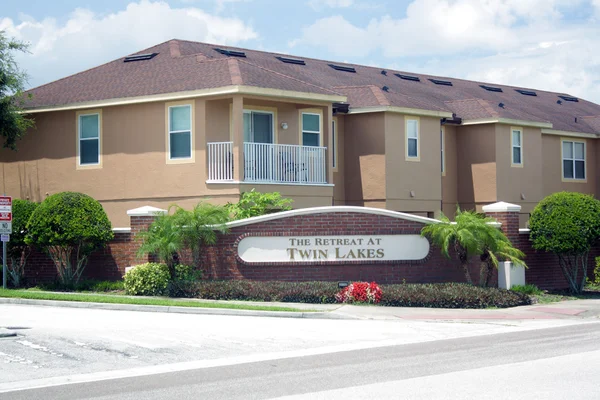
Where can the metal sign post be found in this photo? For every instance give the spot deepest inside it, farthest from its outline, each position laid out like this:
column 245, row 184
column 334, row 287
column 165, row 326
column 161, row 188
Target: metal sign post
column 5, row 230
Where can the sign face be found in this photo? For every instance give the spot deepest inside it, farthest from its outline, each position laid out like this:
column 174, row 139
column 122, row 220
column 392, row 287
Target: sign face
column 4, row 238
column 5, row 216
column 5, row 228
column 5, row 204
column 289, row 249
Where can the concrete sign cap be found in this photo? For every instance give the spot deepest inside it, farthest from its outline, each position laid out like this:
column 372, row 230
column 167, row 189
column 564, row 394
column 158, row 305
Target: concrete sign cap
column 146, row 211
column 501, row 207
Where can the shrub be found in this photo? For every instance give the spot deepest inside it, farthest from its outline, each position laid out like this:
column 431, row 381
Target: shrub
column 150, row 279
column 596, row 280
column 87, row 285
column 567, row 224
column 69, row 227
column 450, row 295
column 360, row 292
column 17, row 250
column 253, row 204
column 527, row 289
column 441, row 295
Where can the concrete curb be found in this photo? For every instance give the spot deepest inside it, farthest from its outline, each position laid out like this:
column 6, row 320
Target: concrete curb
column 178, row 310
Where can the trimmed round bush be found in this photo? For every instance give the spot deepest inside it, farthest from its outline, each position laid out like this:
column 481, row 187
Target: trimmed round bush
column 150, row 279
column 568, row 225
column 69, row 226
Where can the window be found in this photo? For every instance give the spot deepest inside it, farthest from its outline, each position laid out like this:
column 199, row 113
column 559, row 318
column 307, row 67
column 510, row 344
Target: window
column 573, row 156
column 412, row 139
column 443, row 156
column 180, row 132
column 334, row 144
column 311, row 129
column 517, row 147
column 89, row 139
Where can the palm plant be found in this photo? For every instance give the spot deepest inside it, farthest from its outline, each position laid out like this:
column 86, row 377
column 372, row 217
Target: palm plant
column 163, row 239
column 199, row 227
column 473, row 234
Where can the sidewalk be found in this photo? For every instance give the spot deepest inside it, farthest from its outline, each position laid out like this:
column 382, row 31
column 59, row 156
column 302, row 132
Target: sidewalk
column 574, row 309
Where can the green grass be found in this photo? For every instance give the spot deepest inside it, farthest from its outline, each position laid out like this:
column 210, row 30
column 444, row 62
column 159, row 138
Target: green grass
column 115, row 299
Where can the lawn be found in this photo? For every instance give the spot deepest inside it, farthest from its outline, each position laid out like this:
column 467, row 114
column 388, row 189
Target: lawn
column 118, row 299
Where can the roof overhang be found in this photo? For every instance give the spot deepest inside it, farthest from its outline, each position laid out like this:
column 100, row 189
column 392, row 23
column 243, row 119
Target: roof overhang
column 507, row 121
column 401, row 110
column 569, row 133
column 226, row 90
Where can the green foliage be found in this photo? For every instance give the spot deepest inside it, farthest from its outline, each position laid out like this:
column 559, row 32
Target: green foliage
column 13, row 123
column 150, row 279
column 450, row 295
column 153, row 279
column 472, row 234
column 86, row 285
column 253, row 204
column 172, row 233
column 527, row 289
column 567, row 224
column 17, row 250
column 596, row 280
column 69, row 227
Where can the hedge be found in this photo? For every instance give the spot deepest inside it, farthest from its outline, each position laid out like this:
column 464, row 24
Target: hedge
column 438, row 295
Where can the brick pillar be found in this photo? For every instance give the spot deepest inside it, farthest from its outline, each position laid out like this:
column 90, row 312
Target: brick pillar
column 508, row 215
column 140, row 219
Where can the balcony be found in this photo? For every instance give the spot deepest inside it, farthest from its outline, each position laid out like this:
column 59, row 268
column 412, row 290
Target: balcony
column 269, row 163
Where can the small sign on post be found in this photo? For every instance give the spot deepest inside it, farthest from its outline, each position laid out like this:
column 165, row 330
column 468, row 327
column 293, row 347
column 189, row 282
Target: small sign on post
column 5, row 231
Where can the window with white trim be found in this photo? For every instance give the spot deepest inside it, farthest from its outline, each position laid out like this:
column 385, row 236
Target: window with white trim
column 573, row 158
column 311, row 129
column 412, row 138
column 334, row 143
column 517, row 146
column 180, row 132
column 89, row 139
column 443, row 156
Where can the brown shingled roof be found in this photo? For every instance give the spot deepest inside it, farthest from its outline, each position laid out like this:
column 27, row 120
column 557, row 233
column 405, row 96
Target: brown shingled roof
column 185, row 66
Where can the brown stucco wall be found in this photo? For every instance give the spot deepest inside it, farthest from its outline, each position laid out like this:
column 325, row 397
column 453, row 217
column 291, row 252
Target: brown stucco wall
column 476, row 166
column 422, row 177
column 364, row 155
column 450, row 176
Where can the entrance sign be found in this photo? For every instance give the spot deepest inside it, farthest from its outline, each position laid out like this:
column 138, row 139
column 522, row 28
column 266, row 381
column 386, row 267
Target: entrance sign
column 367, row 248
column 5, row 215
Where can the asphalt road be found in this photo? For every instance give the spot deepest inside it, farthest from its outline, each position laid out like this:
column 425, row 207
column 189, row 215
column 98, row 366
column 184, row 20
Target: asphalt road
column 554, row 363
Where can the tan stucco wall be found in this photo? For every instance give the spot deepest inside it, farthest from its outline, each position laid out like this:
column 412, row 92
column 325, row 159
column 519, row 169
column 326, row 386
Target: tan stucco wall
column 364, row 159
column 134, row 170
column 450, row 176
column 476, row 165
column 339, row 191
column 422, row 177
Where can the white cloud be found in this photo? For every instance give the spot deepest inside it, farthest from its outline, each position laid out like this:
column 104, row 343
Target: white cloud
column 318, row 5
column 527, row 43
column 87, row 39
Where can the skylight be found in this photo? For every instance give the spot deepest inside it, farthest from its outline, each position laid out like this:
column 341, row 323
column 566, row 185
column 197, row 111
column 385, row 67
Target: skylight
column 231, row 53
column 409, row 77
column 491, row 88
column 440, row 82
column 342, row 68
column 140, row 57
column 569, row 98
column 526, row 92
column 289, row 60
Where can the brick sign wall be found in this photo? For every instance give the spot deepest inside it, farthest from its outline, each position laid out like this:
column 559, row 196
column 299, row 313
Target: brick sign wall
column 222, row 261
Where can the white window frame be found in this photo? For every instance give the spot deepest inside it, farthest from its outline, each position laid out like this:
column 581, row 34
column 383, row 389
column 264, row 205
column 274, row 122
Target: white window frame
column 563, row 159
column 80, row 139
column 407, row 138
column 169, row 132
column 442, row 145
column 513, row 146
column 319, row 132
column 270, row 112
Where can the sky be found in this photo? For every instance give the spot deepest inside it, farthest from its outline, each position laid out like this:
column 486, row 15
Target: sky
column 543, row 44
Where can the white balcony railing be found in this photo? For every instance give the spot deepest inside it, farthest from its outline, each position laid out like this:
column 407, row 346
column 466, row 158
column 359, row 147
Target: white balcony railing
column 220, row 161
column 269, row 163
